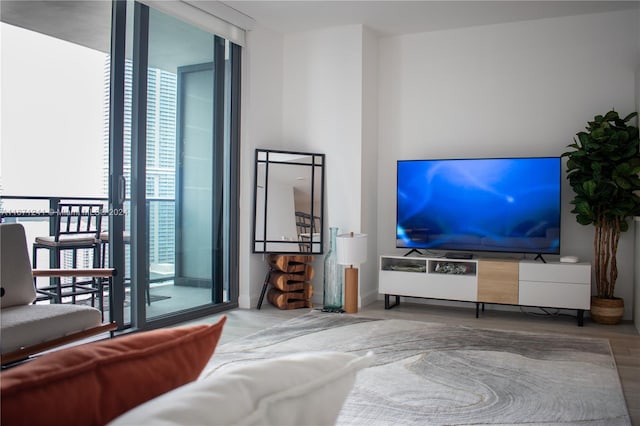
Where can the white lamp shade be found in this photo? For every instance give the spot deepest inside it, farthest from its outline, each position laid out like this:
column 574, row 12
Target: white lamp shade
column 351, row 249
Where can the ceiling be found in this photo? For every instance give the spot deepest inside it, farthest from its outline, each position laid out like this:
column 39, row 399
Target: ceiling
column 88, row 22
column 405, row 17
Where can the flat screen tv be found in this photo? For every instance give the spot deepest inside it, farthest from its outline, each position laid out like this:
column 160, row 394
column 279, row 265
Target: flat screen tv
column 488, row 204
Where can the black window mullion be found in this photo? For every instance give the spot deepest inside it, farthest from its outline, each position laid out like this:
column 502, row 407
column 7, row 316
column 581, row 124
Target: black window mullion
column 116, row 155
column 218, row 169
column 139, row 221
column 234, row 184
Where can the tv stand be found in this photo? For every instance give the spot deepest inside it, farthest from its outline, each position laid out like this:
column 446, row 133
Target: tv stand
column 455, row 255
column 487, row 281
column 539, row 256
column 413, row 251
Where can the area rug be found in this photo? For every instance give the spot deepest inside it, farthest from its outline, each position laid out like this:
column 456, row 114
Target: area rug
column 437, row 374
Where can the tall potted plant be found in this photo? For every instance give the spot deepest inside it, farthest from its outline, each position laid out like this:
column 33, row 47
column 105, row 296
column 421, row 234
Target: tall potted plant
column 602, row 169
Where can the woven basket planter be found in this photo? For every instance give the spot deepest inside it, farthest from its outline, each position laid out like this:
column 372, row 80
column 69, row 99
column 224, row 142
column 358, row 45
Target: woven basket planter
column 607, row 311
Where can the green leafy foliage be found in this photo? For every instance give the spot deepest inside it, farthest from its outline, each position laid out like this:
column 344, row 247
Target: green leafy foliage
column 603, row 166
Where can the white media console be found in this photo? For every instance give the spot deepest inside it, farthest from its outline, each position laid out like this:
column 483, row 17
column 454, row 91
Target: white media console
column 496, row 281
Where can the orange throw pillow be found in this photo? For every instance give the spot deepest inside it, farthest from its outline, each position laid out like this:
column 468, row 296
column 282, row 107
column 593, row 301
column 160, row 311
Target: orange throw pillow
column 94, row 383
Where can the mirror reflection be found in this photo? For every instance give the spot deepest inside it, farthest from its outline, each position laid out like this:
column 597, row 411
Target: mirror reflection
column 288, row 202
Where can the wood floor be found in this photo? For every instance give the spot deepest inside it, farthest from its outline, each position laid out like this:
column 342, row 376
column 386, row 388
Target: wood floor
column 624, row 338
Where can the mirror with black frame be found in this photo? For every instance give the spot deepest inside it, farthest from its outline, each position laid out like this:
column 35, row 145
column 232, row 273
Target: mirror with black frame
column 288, row 202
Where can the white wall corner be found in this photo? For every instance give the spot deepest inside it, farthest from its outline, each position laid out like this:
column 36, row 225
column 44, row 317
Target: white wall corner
column 369, row 297
column 261, row 127
column 636, row 222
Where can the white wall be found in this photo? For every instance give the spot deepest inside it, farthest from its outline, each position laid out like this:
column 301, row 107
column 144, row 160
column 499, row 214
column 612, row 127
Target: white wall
column 636, row 297
column 303, row 92
column 521, row 89
column 369, row 270
column 261, row 128
column 322, row 112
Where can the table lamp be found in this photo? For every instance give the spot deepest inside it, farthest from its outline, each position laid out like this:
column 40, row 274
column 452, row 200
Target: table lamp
column 351, row 250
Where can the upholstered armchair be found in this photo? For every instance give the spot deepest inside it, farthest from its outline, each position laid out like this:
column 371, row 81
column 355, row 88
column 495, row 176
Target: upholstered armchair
column 29, row 328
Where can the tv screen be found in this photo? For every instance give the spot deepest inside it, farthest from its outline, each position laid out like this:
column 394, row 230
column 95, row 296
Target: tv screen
column 493, row 204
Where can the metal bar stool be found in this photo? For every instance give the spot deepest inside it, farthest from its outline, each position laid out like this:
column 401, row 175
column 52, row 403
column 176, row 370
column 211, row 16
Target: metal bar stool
column 76, row 227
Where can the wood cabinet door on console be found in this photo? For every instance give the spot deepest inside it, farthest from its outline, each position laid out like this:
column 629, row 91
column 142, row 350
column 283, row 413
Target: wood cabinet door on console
column 498, row 281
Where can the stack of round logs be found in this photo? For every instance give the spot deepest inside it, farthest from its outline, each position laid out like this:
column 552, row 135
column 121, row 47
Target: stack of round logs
column 289, row 279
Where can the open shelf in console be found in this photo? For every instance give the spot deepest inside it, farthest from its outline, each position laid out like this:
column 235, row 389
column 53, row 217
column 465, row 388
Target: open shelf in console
column 452, row 267
column 403, row 264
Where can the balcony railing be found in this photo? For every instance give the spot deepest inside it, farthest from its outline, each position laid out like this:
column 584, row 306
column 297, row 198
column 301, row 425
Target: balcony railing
column 38, row 214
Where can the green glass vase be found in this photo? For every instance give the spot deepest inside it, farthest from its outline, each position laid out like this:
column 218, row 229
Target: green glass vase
column 332, row 297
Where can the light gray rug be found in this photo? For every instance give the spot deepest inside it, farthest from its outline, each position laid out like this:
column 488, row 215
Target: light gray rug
column 435, row 374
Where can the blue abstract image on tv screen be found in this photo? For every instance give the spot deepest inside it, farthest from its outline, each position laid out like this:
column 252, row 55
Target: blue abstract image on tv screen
column 504, row 204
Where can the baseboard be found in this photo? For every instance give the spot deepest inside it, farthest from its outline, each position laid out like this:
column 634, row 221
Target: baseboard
column 369, row 298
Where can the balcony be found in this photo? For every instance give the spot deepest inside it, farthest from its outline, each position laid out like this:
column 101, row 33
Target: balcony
column 37, row 215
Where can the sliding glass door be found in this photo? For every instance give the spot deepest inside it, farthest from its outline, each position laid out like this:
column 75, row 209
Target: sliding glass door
column 180, row 93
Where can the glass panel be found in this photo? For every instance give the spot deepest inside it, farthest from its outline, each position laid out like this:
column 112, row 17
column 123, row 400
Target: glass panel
column 180, row 166
column 195, row 199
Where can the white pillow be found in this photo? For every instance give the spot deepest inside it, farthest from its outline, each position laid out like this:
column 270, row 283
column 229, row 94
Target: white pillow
column 300, row 389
